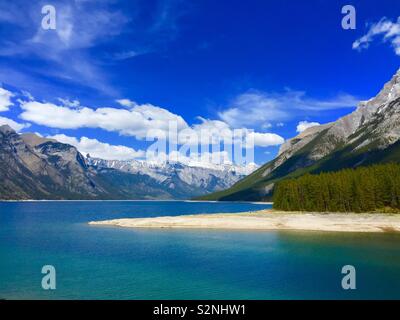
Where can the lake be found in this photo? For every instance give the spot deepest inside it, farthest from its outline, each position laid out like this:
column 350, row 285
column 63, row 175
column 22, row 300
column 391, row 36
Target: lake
column 94, row 262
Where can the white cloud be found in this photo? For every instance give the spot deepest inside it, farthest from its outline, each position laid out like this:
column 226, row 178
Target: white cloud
column 210, row 131
column 15, row 125
column 65, row 50
column 69, row 103
column 99, row 149
column 250, row 109
column 82, row 26
column 140, row 121
column 266, row 126
column 217, row 131
column 136, row 122
column 266, row 139
column 5, row 99
column 211, row 160
column 126, row 103
column 254, row 109
column 68, row 51
column 303, row 125
column 390, row 32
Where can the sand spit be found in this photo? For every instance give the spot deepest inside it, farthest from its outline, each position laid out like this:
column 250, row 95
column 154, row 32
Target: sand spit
column 269, row 220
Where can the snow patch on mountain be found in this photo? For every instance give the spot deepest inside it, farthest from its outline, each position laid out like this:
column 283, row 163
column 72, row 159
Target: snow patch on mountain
column 213, row 177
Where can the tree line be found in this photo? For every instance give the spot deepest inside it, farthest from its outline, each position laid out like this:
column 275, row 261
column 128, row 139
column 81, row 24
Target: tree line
column 364, row 189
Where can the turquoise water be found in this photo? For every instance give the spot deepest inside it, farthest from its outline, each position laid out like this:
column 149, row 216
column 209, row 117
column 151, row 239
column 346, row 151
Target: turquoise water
column 94, row 262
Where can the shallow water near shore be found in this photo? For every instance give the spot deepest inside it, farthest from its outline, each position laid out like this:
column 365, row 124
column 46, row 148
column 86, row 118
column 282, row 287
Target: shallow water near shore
column 96, row 262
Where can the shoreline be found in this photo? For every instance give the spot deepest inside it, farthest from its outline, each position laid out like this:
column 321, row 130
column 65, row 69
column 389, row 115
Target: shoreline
column 267, row 219
column 134, row 200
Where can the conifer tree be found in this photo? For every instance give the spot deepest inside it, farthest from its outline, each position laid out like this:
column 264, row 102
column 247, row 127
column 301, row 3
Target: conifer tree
column 365, row 189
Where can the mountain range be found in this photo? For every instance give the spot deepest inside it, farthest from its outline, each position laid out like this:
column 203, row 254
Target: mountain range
column 34, row 167
column 369, row 135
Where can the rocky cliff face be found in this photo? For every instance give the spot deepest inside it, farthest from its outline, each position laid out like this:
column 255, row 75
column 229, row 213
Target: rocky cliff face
column 209, row 178
column 368, row 135
column 49, row 170
column 39, row 168
column 380, row 112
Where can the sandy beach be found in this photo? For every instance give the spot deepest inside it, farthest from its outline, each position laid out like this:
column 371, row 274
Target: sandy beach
column 269, row 220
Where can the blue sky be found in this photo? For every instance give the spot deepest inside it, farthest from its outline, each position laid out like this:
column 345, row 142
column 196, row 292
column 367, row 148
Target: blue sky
column 261, row 65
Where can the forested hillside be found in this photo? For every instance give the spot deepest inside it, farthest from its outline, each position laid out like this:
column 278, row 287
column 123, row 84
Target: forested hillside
column 369, row 135
column 365, row 189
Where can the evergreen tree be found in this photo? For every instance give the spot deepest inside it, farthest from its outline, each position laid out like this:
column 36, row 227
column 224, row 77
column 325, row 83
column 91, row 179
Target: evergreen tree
column 365, row 189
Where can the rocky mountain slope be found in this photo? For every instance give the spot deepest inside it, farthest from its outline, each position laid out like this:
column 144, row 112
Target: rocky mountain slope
column 368, row 135
column 35, row 168
column 191, row 177
column 39, row 168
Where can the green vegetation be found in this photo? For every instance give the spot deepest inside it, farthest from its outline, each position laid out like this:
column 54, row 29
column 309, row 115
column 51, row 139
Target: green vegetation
column 365, row 189
column 252, row 188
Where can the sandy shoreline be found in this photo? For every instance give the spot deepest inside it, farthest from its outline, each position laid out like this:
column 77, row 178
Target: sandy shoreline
column 268, row 220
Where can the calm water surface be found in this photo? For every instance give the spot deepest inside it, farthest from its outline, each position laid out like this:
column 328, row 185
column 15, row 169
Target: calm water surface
column 94, row 262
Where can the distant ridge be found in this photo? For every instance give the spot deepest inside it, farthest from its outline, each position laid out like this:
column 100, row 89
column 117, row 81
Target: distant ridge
column 366, row 136
column 34, row 167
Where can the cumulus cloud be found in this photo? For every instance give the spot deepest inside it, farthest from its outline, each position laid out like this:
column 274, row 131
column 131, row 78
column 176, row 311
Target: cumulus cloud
column 217, row 131
column 265, row 139
column 388, row 30
column 208, row 131
column 303, row 125
column 99, row 149
column 5, row 99
column 15, row 125
column 258, row 108
column 136, row 122
column 139, row 121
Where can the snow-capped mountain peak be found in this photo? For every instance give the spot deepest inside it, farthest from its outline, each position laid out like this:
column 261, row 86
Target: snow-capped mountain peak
column 211, row 177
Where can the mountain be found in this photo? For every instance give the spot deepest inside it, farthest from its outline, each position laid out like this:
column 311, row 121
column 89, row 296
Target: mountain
column 182, row 179
column 36, row 168
column 366, row 136
column 39, row 168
